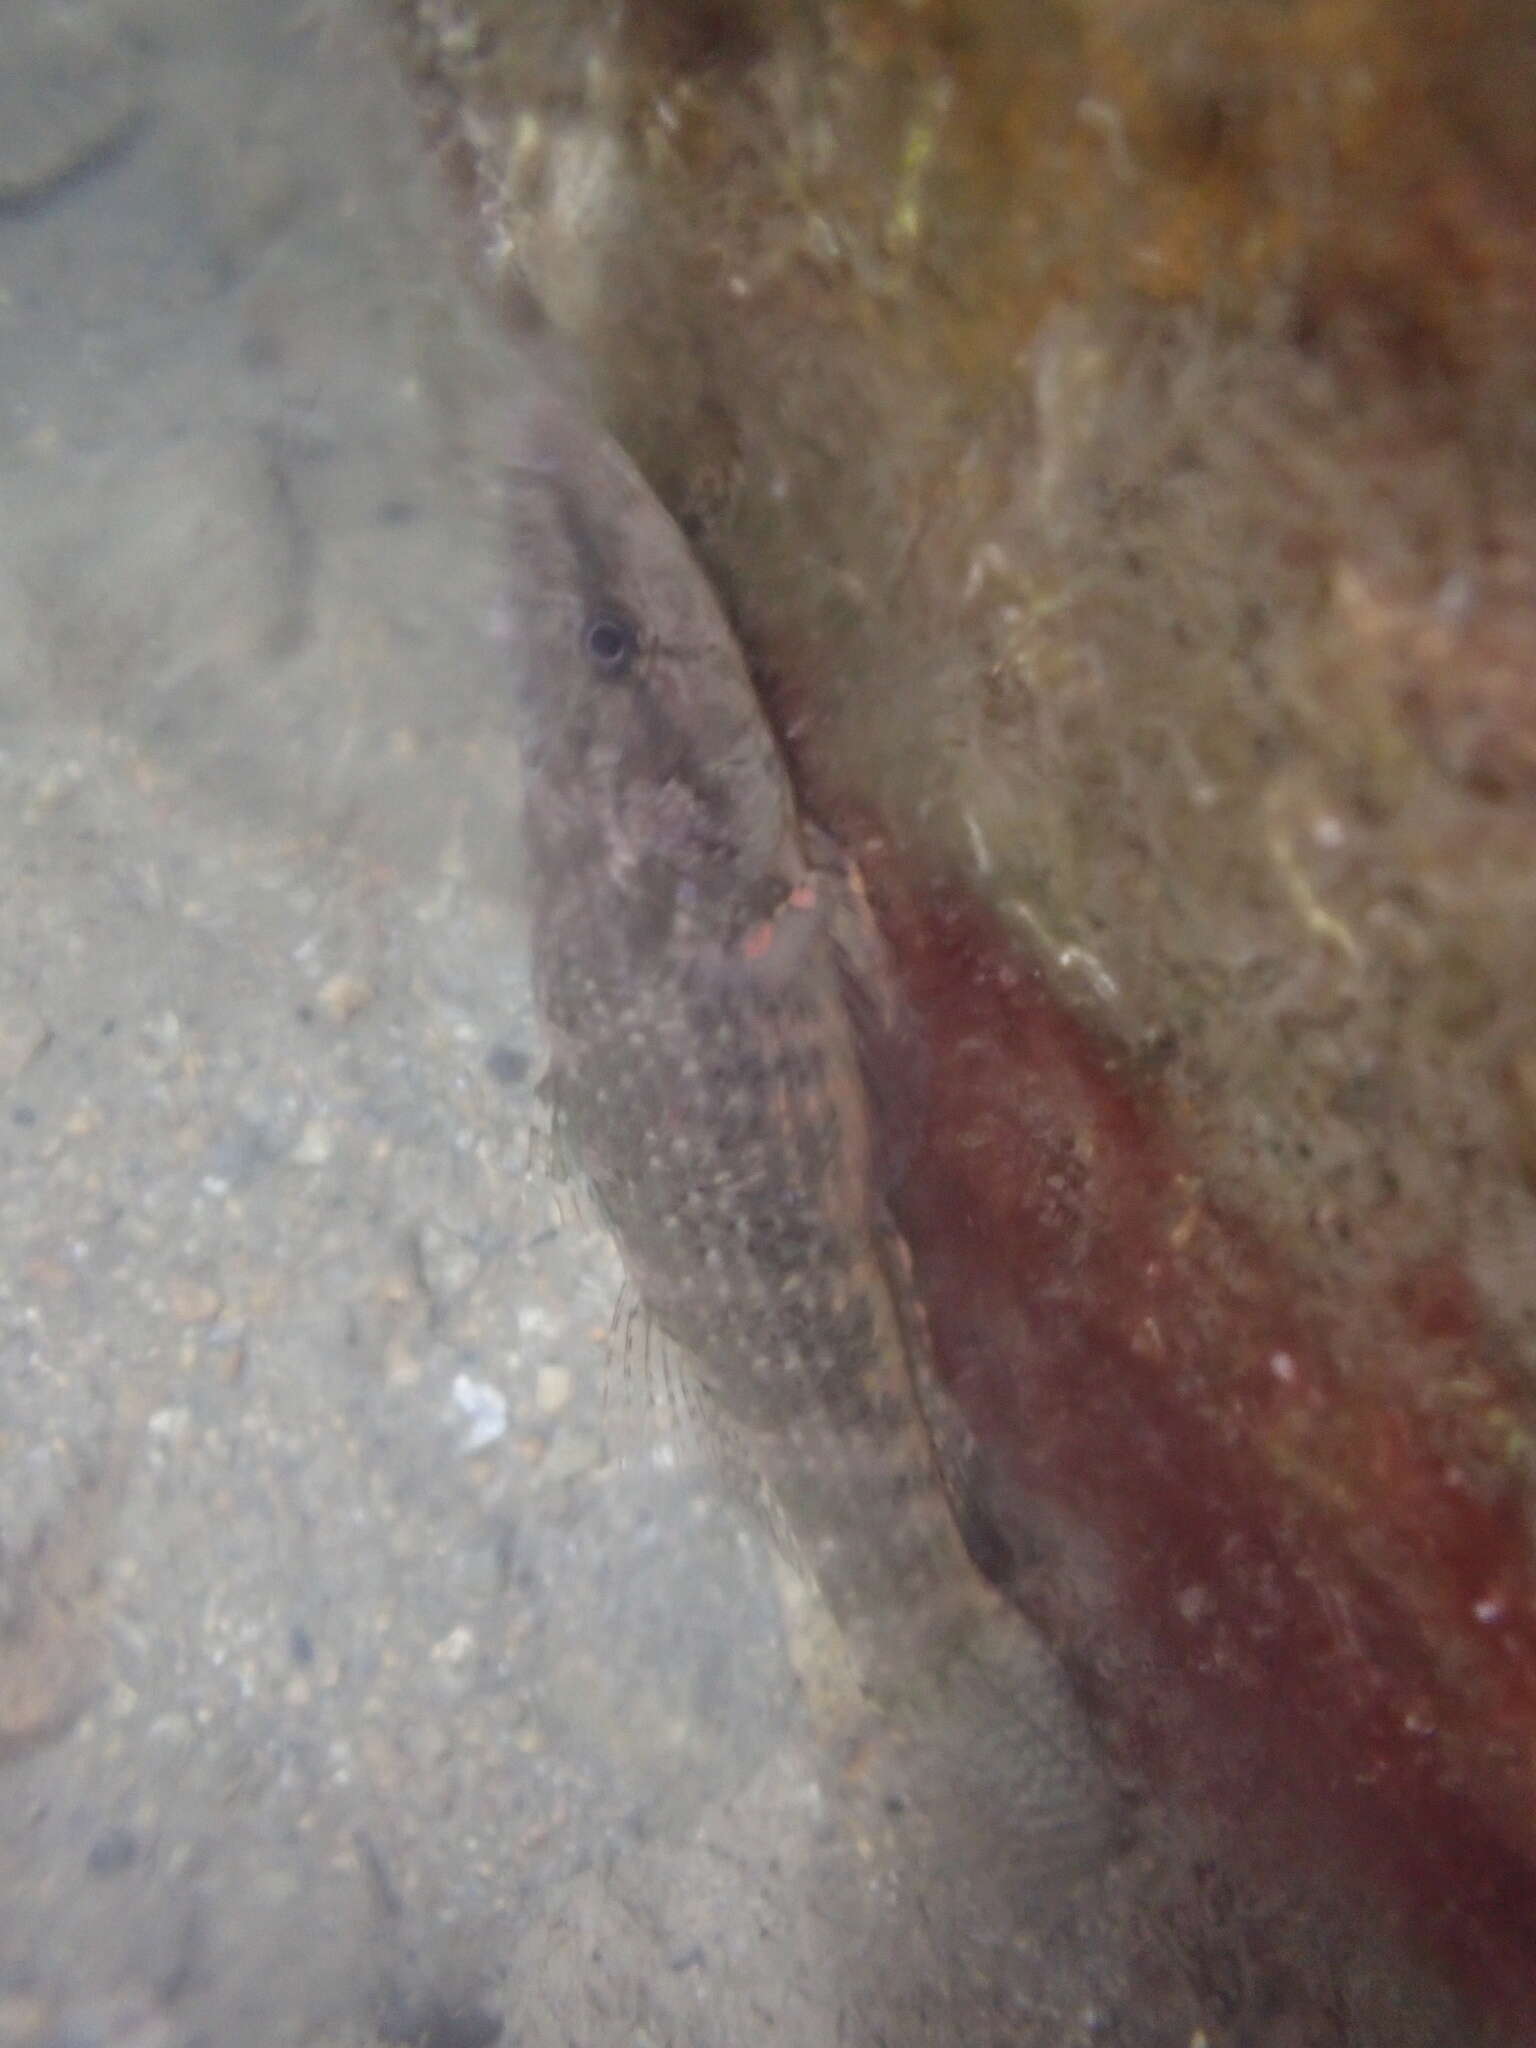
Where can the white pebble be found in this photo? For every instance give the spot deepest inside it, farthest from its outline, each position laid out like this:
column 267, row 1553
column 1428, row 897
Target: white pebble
column 552, row 1389
column 315, row 1145
column 484, row 1408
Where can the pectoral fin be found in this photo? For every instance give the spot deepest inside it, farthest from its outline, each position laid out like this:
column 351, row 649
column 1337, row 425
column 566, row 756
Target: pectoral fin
column 890, row 1046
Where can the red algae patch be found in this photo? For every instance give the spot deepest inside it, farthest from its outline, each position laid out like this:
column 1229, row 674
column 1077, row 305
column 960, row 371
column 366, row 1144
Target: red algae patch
column 1304, row 1584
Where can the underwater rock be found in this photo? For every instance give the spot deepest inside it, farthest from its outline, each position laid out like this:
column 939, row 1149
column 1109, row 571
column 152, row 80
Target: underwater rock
column 1112, row 434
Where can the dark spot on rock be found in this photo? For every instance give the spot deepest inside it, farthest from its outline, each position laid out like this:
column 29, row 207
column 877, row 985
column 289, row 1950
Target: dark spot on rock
column 260, row 352
column 112, row 1852
column 689, row 37
column 301, row 1647
column 24, row 1115
column 435, row 2022
column 507, row 1064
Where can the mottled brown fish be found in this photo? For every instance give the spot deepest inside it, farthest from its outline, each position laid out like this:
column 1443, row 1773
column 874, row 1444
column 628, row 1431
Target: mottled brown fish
column 701, row 959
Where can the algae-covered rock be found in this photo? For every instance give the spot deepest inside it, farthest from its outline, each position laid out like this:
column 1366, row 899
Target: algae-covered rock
column 1113, row 430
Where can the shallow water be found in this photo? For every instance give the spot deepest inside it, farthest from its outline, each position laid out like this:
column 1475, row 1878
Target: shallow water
column 351, row 1689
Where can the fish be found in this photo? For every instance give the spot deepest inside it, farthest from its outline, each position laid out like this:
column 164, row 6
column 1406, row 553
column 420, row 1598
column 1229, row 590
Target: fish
column 710, row 982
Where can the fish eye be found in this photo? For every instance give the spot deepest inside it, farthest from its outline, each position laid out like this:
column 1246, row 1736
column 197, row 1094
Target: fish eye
column 609, row 641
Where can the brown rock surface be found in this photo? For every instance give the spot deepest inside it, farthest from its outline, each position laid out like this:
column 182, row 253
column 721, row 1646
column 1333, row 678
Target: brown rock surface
column 1112, row 431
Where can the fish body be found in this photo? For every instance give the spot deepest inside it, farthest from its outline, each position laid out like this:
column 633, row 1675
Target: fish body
column 704, row 965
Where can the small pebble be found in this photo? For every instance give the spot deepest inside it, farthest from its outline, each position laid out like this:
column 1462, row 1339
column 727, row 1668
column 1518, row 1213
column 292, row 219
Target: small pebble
column 455, row 1648
column 402, row 1368
column 552, row 1389
column 228, row 1357
column 571, row 1453
column 162, row 1034
column 192, row 1301
column 315, row 1144
column 343, row 996
column 170, row 1425
column 484, row 1408
column 445, row 1263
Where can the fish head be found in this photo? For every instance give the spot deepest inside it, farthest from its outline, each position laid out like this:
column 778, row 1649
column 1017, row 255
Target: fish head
column 645, row 746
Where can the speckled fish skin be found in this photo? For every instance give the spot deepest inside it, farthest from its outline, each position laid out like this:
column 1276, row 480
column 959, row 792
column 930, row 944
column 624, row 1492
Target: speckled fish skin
column 693, row 965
